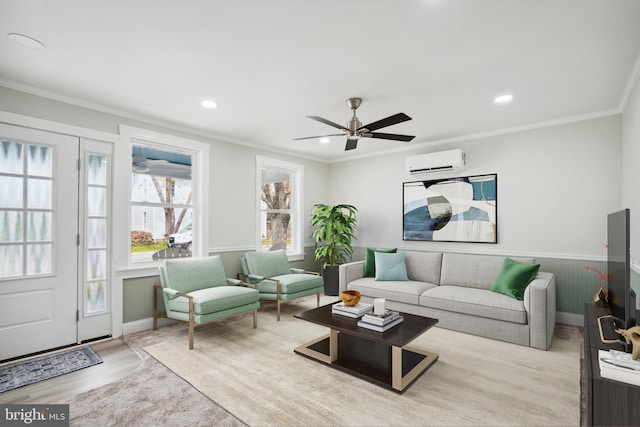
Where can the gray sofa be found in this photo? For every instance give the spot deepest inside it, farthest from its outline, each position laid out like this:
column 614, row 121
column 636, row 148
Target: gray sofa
column 455, row 289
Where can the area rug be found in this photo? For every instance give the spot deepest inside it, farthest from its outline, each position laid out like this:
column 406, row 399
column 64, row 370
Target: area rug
column 255, row 375
column 31, row 371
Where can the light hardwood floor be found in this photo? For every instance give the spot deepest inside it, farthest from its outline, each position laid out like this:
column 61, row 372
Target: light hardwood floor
column 119, row 360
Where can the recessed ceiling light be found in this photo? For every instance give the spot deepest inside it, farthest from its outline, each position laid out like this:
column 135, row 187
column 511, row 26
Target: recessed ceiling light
column 207, row 103
column 503, row 99
column 27, row 42
column 325, row 140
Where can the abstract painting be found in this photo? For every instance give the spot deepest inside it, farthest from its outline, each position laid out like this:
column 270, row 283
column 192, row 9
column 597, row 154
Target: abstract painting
column 460, row 209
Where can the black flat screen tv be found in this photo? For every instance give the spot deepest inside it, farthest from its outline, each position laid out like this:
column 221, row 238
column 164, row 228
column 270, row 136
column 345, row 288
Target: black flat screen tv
column 621, row 296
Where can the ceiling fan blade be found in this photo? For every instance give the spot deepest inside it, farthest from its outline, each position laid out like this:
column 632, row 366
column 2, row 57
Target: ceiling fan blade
column 383, row 123
column 351, row 144
column 392, row 136
column 319, row 136
column 327, row 122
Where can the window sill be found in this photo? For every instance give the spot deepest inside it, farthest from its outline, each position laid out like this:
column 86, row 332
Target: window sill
column 296, row 257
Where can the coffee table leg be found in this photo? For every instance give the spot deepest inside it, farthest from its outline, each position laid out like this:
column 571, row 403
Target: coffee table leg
column 307, row 350
column 333, row 345
column 399, row 382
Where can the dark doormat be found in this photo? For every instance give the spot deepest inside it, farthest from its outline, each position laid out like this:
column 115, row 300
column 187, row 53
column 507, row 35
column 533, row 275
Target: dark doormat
column 27, row 372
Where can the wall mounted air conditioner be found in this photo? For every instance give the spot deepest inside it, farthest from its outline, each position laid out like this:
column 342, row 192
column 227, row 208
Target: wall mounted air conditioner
column 441, row 161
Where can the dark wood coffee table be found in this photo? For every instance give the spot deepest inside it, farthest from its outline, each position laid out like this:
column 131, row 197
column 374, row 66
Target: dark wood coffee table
column 382, row 358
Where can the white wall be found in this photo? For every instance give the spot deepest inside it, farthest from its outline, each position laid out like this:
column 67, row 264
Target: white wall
column 233, row 193
column 555, row 188
column 232, row 209
column 631, row 170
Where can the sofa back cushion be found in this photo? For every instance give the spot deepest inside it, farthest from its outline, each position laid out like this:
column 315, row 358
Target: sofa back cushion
column 473, row 271
column 423, row 266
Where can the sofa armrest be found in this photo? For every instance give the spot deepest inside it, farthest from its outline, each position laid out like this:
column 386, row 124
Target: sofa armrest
column 349, row 272
column 540, row 304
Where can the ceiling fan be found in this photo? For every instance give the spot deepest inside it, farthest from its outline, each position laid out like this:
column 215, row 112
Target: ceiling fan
column 354, row 129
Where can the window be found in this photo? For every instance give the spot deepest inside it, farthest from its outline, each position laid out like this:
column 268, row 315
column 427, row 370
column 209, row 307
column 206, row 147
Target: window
column 279, row 189
column 167, row 205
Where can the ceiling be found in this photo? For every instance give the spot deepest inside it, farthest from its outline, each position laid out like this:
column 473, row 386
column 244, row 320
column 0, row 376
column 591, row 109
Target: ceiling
column 268, row 64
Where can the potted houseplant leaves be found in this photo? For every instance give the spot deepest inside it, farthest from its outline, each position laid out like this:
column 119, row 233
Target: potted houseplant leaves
column 333, row 235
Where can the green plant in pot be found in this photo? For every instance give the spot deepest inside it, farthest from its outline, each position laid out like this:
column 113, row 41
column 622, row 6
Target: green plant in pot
column 333, row 236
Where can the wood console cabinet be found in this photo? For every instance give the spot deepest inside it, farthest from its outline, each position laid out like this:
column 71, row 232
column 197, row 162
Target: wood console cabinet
column 609, row 403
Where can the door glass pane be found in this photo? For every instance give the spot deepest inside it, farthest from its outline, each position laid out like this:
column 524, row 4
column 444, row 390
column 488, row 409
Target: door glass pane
column 96, row 297
column 39, row 258
column 96, row 265
column 11, row 260
column 11, row 158
column 10, row 226
column 96, row 233
column 97, row 201
column 97, row 170
column 39, row 160
column 39, row 193
column 39, row 226
column 11, row 194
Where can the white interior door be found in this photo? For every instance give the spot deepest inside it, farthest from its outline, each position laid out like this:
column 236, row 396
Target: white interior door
column 38, row 240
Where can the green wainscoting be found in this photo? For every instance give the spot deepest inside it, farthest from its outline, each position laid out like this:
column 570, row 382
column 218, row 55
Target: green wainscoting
column 576, row 284
column 138, row 292
column 138, row 298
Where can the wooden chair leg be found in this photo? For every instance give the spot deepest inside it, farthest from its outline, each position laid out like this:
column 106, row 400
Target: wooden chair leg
column 318, row 298
column 278, row 309
column 255, row 319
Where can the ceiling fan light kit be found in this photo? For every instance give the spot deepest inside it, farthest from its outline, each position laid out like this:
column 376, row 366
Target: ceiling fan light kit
column 355, row 130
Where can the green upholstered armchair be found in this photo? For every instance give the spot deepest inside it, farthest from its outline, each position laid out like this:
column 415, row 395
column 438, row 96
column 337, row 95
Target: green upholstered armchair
column 196, row 290
column 276, row 280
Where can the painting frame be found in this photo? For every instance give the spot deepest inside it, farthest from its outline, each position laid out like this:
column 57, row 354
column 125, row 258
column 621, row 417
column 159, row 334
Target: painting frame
column 459, row 209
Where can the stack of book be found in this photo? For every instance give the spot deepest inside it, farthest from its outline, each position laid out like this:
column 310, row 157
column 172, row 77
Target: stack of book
column 618, row 366
column 355, row 311
column 380, row 322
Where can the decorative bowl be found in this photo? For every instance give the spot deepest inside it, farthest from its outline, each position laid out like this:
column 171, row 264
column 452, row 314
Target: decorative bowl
column 350, row 298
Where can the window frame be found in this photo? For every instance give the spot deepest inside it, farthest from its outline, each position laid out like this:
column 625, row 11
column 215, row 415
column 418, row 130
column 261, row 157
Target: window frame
column 296, row 251
column 200, row 154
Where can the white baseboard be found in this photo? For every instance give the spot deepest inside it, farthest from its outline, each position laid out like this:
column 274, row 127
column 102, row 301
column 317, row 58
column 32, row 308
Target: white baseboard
column 569, row 318
column 144, row 325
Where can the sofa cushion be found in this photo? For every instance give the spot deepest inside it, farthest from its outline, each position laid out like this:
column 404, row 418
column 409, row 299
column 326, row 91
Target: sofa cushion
column 370, row 260
column 473, row 271
column 423, row 266
column 514, row 278
column 477, row 302
column 390, row 267
column 407, row 292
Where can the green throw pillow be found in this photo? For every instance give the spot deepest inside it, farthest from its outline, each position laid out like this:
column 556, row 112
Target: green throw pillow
column 390, row 267
column 370, row 261
column 514, row 278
